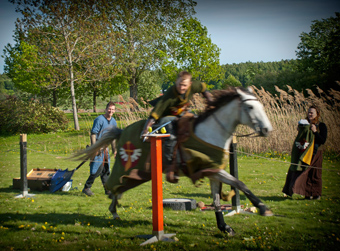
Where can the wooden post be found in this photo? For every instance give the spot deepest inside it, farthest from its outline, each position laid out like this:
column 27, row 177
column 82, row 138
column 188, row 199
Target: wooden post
column 23, row 164
column 236, row 205
column 157, row 188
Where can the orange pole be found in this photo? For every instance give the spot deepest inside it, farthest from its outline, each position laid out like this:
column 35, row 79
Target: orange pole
column 157, row 188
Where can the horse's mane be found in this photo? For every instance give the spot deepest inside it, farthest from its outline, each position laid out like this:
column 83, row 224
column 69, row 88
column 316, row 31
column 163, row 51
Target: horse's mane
column 221, row 97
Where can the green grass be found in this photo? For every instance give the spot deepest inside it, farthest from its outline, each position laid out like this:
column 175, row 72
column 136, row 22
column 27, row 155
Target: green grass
column 73, row 221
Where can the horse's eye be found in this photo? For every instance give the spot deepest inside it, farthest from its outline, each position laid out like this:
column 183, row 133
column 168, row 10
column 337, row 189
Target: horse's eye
column 250, row 107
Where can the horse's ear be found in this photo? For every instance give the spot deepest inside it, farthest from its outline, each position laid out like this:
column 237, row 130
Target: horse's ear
column 241, row 90
column 248, row 89
column 238, row 90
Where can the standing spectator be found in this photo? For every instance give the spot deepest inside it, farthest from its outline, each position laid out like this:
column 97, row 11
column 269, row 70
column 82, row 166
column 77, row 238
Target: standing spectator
column 306, row 151
column 100, row 164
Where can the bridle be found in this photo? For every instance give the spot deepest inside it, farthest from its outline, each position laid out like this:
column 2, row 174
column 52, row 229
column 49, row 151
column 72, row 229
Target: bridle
column 252, row 119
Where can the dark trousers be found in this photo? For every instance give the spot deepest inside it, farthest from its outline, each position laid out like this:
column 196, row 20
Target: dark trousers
column 104, row 173
column 170, row 142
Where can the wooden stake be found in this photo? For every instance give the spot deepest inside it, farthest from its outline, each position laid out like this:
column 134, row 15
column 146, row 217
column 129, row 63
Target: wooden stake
column 236, row 204
column 23, row 164
column 157, row 188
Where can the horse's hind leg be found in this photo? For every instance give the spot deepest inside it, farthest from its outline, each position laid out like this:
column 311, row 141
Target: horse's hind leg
column 113, row 206
column 215, row 190
column 223, row 176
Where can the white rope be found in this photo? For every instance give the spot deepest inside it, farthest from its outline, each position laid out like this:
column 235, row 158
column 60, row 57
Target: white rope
column 250, row 154
column 258, row 156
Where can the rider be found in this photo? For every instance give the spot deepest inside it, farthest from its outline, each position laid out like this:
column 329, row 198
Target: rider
column 172, row 105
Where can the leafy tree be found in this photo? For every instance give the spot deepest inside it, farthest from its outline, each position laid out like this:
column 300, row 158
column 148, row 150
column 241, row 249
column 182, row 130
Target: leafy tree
column 150, row 85
column 193, row 50
column 143, row 28
column 101, row 89
column 251, row 72
column 6, row 86
column 319, row 50
column 260, row 74
column 29, row 72
column 72, row 38
column 231, row 81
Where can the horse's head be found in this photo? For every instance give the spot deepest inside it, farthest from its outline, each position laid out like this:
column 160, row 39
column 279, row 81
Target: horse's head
column 252, row 112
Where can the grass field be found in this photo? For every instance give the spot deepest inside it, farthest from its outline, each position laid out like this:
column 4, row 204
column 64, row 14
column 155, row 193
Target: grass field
column 72, row 221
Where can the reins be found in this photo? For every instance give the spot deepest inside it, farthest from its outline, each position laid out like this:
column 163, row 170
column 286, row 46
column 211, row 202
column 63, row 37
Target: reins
column 246, row 135
column 239, row 135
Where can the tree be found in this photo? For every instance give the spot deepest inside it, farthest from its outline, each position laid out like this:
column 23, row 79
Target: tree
column 319, row 50
column 150, row 85
column 193, row 50
column 72, row 38
column 231, row 81
column 144, row 27
column 29, row 72
column 103, row 89
column 6, row 86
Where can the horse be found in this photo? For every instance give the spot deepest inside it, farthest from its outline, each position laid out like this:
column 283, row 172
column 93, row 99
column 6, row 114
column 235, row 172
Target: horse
column 205, row 147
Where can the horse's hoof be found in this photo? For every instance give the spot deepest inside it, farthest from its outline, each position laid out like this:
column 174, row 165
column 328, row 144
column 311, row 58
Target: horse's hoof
column 267, row 213
column 264, row 211
column 230, row 231
column 115, row 216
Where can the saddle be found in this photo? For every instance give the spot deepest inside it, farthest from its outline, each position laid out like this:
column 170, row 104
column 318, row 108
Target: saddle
column 181, row 133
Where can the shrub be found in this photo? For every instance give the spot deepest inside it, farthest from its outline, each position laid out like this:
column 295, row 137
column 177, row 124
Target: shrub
column 30, row 117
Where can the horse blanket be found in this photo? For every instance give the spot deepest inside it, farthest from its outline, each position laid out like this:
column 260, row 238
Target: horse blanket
column 132, row 166
column 201, row 157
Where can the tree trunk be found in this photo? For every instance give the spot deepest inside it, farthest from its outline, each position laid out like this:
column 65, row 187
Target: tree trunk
column 74, row 105
column 54, row 98
column 133, row 88
column 94, row 101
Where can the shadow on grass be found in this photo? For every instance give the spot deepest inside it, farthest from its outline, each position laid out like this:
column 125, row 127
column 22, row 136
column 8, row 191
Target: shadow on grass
column 274, row 198
column 192, row 195
column 242, row 196
column 72, row 192
column 55, row 219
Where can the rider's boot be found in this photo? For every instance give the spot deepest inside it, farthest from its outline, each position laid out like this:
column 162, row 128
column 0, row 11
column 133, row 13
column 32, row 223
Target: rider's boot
column 170, row 161
column 169, row 156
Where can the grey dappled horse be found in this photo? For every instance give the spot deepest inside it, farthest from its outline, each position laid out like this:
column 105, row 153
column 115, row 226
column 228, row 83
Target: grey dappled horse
column 213, row 128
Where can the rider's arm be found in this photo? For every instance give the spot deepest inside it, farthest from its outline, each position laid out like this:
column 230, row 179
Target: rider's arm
column 148, row 124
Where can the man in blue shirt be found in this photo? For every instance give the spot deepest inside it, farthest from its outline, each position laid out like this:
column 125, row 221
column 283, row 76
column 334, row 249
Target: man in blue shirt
column 100, row 164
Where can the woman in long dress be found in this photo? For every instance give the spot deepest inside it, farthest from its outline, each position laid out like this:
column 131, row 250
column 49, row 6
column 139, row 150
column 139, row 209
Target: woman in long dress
column 305, row 174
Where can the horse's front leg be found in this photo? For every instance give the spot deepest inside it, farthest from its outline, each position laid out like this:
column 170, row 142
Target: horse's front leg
column 223, row 176
column 216, row 191
column 113, row 206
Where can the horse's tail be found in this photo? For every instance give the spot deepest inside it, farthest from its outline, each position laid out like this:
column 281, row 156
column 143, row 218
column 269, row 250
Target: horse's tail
column 109, row 134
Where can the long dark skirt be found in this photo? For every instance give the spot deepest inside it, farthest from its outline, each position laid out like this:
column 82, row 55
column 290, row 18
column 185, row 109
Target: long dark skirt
column 308, row 182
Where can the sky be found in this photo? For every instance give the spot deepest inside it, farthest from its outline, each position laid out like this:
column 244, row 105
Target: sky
column 244, row 30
